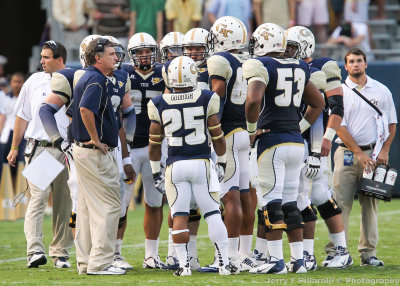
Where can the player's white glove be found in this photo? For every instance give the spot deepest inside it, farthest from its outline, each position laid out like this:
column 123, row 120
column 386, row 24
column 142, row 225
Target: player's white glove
column 159, row 182
column 312, row 165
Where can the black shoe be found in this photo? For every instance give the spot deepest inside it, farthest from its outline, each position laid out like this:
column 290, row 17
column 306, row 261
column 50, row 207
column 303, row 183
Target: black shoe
column 36, row 259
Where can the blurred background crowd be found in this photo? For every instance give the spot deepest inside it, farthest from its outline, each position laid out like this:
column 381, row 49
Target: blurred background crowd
column 338, row 25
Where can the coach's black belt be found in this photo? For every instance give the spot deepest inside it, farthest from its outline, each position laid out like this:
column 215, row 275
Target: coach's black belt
column 45, row 143
column 91, row 146
column 363, row 148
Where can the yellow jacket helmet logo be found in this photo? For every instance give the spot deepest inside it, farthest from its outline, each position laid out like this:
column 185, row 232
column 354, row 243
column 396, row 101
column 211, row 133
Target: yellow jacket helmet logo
column 221, row 28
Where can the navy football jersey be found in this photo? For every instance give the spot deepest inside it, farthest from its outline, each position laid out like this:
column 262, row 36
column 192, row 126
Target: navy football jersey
column 118, row 86
column 202, row 79
column 228, row 67
column 183, row 117
column 143, row 88
column 285, row 80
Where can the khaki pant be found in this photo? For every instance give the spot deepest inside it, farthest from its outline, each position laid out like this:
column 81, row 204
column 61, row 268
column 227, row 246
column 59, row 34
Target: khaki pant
column 99, row 207
column 62, row 235
column 345, row 183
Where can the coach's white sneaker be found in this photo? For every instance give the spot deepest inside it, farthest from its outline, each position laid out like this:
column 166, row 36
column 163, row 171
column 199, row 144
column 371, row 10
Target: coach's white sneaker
column 153, row 263
column 342, row 259
column 109, row 270
column 119, row 262
column 36, row 259
column 61, row 262
column 194, row 263
column 183, row 271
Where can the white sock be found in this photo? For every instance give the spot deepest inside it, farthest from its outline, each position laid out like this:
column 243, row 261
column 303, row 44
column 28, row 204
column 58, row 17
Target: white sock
column 338, row 239
column 171, row 248
column 233, row 251
column 245, row 246
column 275, row 249
column 261, row 245
column 192, row 246
column 182, row 252
column 222, row 251
column 150, row 248
column 296, row 250
column 308, row 245
column 118, row 245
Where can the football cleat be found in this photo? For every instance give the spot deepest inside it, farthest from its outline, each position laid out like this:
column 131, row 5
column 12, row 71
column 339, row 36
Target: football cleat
column 372, row 261
column 255, row 259
column 153, row 263
column 36, row 259
column 309, row 261
column 61, row 262
column 194, row 263
column 247, row 264
column 172, row 263
column 273, row 266
column 236, row 263
column 109, row 270
column 119, row 262
column 229, row 269
column 296, row 266
column 210, row 268
column 183, row 271
column 342, row 259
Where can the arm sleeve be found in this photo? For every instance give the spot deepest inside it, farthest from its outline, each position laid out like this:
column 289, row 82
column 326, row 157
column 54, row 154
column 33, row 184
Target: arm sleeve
column 153, row 112
column 255, row 70
column 333, row 75
column 213, row 105
column 129, row 120
column 61, row 87
column 46, row 113
column 219, row 66
column 91, row 97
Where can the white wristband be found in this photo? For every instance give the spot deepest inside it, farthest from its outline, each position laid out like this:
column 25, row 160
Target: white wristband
column 127, row 161
column 304, row 125
column 251, row 127
column 330, row 133
column 155, row 167
column 221, row 159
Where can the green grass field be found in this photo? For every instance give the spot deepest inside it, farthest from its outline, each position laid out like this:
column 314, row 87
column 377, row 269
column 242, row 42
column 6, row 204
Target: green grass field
column 13, row 258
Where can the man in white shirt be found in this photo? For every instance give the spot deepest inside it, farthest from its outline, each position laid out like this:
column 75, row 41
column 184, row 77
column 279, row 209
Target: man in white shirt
column 33, row 93
column 359, row 134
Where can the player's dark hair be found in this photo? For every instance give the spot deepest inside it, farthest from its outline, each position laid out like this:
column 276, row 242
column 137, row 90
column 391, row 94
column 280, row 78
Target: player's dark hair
column 57, row 48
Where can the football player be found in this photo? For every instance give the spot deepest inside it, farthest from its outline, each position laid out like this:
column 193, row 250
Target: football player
column 275, row 90
column 171, row 46
column 146, row 83
column 301, row 45
column 183, row 117
column 227, row 37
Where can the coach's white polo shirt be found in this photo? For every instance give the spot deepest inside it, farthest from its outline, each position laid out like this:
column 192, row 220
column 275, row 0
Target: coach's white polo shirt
column 33, row 93
column 359, row 116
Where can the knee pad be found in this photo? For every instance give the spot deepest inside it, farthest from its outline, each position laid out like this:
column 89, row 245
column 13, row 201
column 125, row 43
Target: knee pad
column 272, row 213
column 329, row 209
column 292, row 214
column 309, row 213
column 121, row 221
column 72, row 220
column 194, row 215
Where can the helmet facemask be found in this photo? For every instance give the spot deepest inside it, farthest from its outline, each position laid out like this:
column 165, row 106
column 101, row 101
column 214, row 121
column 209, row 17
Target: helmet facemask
column 170, row 53
column 145, row 62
